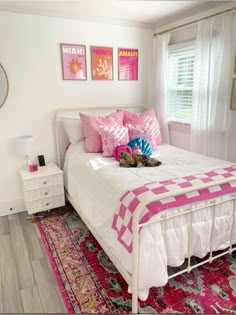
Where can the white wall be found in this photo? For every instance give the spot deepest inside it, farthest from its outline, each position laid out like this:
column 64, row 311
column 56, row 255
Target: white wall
column 30, row 54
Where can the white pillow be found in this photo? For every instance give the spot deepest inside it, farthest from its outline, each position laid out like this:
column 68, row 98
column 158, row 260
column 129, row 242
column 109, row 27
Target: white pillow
column 80, row 147
column 74, row 129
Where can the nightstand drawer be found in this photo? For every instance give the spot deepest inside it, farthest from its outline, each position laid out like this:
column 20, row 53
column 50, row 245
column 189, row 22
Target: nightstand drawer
column 46, row 192
column 44, row 181
column 57, row 190
column 36, row 183
column 51, row 191
column 59, row 200
column 32, row 195
column 47, row 203
column 57, row 179
column 34, row 206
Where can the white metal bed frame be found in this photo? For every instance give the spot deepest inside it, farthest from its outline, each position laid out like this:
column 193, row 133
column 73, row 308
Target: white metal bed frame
column 133, row 279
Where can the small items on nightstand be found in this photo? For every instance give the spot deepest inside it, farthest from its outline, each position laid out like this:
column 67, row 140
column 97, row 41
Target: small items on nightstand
column 43, row 190
column 25, row 147
column 41, row 160
column 32, row 166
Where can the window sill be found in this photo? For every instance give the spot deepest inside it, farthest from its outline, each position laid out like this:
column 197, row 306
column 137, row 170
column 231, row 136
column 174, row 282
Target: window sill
column 177, row 125
column 179, row 122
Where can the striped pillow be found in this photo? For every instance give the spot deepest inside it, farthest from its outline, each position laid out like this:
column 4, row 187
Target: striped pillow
column 111, row 137
column 150, row 131
column 143, row 125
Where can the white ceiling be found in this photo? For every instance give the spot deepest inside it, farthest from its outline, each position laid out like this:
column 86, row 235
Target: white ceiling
column 145, row 13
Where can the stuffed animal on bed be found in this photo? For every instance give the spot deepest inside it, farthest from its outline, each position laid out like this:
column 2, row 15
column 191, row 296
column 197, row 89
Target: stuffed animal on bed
column 121, row 148
column 141, row 144
column 129, row 160
column 136, row 150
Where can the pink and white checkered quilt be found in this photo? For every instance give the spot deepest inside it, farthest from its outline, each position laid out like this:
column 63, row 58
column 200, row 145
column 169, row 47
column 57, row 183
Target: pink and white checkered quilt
column 122, row 221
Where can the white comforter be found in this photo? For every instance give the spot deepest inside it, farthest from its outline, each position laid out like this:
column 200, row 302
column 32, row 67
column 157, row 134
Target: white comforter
column 96, row 184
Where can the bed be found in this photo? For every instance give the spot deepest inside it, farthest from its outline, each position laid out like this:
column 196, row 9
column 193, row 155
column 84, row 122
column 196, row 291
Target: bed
column 94, row 185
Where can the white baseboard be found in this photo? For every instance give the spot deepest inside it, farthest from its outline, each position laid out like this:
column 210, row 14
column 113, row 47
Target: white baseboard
column 11, row 206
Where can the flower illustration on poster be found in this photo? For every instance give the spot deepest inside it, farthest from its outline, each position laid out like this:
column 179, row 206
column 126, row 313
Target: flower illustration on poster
column 73, row 62
column 102, row 63
column 127, row 64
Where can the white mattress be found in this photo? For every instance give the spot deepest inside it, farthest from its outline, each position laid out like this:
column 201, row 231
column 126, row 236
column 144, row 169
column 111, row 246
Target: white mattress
column 96, row 183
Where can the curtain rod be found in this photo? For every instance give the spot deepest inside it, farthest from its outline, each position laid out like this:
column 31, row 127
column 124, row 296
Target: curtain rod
column 189, row 23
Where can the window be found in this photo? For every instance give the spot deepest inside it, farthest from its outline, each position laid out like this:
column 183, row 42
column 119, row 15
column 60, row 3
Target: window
column 180, row 81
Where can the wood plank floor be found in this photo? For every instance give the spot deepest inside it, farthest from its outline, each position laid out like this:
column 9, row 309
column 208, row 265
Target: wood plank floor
column 27, row 282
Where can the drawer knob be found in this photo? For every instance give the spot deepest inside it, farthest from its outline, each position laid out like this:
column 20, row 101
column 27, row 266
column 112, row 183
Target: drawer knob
column 47, row 204
column 45, row 182
column 45, row 193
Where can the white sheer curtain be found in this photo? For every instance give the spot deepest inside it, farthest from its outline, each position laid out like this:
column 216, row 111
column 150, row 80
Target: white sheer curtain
column 212, row 85
column 159, row 83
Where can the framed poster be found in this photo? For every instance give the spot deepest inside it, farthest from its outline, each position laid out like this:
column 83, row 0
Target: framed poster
column 102, row 63
column 73, row 62
column 127, row 64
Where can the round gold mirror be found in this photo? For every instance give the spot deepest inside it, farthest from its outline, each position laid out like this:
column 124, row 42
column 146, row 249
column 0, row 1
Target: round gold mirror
column 3, row 85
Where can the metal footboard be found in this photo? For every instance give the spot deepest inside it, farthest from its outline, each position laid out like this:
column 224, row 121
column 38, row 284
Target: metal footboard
column 136, row 226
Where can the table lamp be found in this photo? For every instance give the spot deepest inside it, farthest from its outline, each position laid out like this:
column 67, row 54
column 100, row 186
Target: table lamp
column 25, row 146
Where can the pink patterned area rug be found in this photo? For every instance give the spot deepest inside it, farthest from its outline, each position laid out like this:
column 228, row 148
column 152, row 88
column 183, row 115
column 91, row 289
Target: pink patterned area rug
column 90, row 283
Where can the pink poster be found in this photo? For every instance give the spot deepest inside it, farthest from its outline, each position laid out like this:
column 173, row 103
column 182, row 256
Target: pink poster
column 102, row 63
column 127, row 64
column 73, row 62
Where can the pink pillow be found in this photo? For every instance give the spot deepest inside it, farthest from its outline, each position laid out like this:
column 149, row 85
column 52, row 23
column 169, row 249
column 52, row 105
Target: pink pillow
column 143, row 125
column 135, row 132
column 93, row 123
column 111, row 137
column 146, row 132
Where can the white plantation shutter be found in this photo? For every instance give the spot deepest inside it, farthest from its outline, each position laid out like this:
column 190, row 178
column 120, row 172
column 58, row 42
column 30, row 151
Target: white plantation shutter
column 180, row 81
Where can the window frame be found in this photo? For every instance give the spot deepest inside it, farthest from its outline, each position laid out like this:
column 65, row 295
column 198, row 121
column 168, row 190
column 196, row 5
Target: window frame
column 171, row 48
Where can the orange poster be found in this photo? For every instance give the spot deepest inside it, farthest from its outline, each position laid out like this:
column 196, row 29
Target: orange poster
column 102, row 63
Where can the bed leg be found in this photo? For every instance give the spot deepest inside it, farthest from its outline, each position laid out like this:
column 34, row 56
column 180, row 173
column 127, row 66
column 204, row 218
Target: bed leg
column 233, row 227
column 135, row 271
column 134, row 304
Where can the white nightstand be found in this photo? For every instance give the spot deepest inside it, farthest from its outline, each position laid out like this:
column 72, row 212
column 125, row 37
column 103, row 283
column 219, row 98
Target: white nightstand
column 43, row 189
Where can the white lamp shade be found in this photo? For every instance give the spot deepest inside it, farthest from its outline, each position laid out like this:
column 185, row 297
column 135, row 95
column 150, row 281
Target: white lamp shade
column 25, row 145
